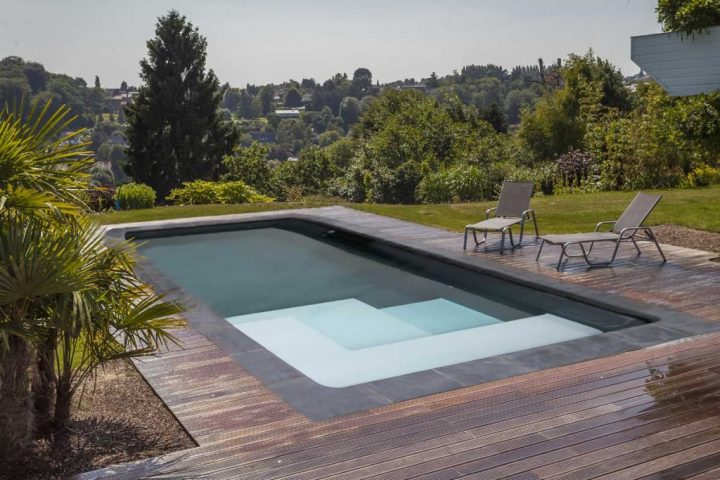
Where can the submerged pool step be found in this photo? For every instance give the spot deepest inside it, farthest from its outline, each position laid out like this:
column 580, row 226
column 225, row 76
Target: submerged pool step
column 327, row 363
column 440, row 316
column 350, row 323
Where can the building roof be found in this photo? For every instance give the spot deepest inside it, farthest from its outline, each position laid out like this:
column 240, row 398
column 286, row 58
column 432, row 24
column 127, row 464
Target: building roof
column 683, row 65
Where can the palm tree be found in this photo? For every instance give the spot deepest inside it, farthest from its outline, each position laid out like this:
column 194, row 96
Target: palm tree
column 68, row 302
column 40, row 172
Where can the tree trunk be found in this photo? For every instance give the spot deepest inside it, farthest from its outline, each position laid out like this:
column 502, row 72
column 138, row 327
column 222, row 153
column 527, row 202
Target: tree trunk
column 63, row 401
column 16, row 412
column 44, row 384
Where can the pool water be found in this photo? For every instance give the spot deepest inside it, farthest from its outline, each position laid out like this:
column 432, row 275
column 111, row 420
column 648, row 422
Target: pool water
column 342, row 316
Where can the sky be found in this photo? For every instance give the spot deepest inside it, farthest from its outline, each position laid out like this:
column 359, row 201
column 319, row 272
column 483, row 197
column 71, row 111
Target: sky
column 264, row 41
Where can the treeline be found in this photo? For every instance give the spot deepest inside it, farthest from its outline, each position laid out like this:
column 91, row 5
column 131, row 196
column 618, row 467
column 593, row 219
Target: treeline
column 328, row 110
column 587, row 132
column 576, row 126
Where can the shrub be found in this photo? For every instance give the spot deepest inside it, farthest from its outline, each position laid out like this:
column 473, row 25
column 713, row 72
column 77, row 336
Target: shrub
column 99, row 199
column 203, row 192
column 249, row 165
column 703, row 176
column 576, row 171
column 462, row 183
column 543, row 175
column 239, row 192
column 133, row 196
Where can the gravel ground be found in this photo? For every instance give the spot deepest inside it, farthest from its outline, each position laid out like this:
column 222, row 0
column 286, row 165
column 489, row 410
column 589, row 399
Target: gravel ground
column 687, row 237
column 121, row 420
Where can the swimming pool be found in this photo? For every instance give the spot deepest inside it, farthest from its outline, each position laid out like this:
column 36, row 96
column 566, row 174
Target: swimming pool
column 435, row 259
column 344, row 310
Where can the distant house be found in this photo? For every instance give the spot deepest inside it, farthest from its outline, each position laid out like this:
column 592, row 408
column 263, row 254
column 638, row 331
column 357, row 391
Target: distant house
column 683, row 65
column 289, row 113
column 263, row 137
column 415, row 86
column 120, row 100
column 307, row 98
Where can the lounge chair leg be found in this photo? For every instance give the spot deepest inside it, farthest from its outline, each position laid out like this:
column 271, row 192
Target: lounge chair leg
column 636, row 245
column 542, row 244
column 465, row 241
column 475, row 238
column 522, row 230
column 562, row 254
column 537, row 233
column 651, row 235
column 512, row 240
column 502, row 240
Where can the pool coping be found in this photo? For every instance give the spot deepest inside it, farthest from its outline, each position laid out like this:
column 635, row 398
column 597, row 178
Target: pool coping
column 318, row 402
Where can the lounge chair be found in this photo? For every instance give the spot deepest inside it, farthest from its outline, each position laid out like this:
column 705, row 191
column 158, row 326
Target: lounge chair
column 513, row 208
column 624, row 229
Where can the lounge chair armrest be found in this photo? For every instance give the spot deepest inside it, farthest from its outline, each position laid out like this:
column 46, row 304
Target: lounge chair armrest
column 633, row 231
column 609, row 222
column 487, row 212
column 528, row 212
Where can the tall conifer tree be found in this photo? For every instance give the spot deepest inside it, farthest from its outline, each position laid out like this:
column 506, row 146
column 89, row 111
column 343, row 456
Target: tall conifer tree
column 174, row 131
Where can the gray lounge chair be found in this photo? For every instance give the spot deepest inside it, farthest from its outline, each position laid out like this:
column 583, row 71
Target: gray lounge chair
column 513, row 208
column 624, row 229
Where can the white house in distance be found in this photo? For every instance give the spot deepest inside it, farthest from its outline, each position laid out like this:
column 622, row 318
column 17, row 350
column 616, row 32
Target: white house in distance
column 682, row 64
column 289, row 113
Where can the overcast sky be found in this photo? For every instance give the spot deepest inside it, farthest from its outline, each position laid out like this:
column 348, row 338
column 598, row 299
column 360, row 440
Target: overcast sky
column 261, row 41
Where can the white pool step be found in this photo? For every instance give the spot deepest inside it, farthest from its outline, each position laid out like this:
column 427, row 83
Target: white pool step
column 329, row 364
column 351, row 323
column 440, row 316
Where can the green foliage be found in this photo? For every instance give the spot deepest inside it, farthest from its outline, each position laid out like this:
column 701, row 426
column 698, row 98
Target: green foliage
column 688, row 16
column 292, row 134
column 576, row 169
column 543, row 175
column 553, row 127
column 311, row 174
column 202, row 192
column 39, row 165
column 250, row 165
column 581, row 71
column 60, row 285
column 293, row 98
column 404, row 134
column 462, row 183
column 703, row 176
column 101, row 176
column 132, row 196
column 174, row 131
column 349, row 111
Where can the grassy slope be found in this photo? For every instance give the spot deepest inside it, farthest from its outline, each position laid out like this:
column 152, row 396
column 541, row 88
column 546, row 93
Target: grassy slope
column 694, row 208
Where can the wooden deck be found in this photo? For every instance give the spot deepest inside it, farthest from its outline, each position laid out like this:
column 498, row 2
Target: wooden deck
column 647, row 414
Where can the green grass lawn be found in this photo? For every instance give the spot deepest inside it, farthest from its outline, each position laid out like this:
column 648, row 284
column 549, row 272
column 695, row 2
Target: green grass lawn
column 695, row 208
column 166, row 213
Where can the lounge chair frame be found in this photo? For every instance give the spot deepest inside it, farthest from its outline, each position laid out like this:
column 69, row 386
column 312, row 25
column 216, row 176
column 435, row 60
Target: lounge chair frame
column 626, row 234
column 508, row 213
column 528, row 214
